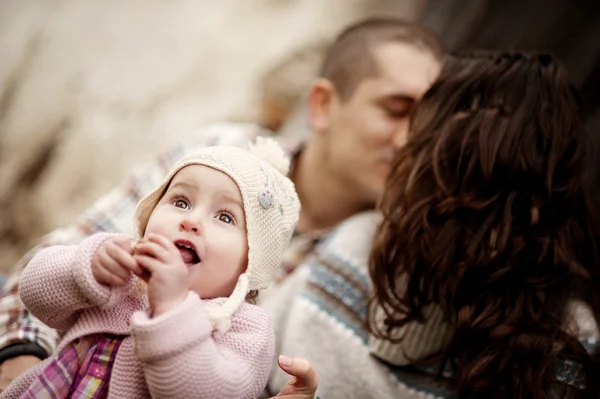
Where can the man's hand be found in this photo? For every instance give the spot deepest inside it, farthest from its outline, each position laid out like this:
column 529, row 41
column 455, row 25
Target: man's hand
column 113, row 263
column 168, row 275
column 12, row 368
column 304, row 381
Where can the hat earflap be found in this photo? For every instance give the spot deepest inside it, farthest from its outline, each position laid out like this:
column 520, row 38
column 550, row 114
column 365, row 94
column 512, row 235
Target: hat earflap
column 220, row 315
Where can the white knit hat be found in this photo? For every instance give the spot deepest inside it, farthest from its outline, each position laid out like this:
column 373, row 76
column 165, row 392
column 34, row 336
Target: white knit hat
column 271, row 207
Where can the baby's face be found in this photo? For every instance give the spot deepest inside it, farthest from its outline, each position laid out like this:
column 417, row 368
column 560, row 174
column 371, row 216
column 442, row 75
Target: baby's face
column 202, row 214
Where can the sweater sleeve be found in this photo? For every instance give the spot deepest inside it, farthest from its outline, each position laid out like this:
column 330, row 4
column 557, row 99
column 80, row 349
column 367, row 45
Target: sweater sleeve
column 183, row 359
column 58, row 283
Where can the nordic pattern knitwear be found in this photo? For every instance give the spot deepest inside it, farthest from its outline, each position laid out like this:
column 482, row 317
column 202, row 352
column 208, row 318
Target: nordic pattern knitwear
column 319, row 312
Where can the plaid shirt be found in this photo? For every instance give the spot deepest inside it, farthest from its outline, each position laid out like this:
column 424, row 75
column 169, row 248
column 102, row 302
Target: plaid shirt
column 81, row 370
column 114, row 213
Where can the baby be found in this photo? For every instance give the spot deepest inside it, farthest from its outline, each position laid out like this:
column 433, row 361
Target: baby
column 170, row 316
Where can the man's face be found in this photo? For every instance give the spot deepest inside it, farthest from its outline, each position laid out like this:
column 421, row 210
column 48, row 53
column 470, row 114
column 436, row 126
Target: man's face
column 364, row 130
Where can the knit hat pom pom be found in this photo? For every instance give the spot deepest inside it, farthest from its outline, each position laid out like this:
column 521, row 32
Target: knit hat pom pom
column 269, row 151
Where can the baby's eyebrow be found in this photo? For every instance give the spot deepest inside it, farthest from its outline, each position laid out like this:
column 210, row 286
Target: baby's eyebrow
column 231, row 199
column 183, row 184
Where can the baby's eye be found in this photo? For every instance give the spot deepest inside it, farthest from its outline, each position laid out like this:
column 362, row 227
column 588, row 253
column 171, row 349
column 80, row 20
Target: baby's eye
column 225, row 218
column 183, row 204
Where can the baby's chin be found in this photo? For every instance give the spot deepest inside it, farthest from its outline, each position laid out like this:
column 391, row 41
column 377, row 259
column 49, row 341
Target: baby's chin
column 192, row 267
column 209, row 292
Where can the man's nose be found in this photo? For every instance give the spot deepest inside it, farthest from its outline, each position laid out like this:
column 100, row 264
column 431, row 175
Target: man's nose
column 400, row 136
column 190, row 226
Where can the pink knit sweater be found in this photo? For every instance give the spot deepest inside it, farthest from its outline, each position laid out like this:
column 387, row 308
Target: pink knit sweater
column 174, row 355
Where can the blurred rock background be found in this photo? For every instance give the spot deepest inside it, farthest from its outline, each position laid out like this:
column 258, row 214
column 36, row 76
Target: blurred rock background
column 90, row 88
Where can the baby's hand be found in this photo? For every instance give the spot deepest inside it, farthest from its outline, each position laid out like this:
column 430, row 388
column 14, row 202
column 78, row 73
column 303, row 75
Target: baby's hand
column 168, row 275
column 113, row 263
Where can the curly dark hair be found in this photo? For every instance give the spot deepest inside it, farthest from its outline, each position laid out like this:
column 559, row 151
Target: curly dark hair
column 486, row 214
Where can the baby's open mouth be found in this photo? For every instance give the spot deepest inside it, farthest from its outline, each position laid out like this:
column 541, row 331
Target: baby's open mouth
column 188, row 252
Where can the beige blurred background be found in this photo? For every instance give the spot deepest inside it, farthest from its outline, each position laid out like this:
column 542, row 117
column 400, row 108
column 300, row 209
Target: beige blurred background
column 90, row 88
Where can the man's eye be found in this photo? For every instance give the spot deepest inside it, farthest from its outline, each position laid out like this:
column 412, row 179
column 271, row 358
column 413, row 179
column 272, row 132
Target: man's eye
column 223, row 217
column 181, row 204
column 398, row 112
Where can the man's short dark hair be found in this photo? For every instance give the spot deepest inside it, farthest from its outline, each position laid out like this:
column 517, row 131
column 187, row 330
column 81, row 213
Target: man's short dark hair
column 350, row 59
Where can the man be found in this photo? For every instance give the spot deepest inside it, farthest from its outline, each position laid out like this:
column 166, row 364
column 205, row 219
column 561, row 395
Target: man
column 358, row 113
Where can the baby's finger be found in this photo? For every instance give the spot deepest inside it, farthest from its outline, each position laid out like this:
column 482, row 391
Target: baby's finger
column 147, row 248
column 107, row 262
column 123, row 258
column 125, row 243
column 162, row 241
column 147, row 262
column 104, row 276
column 152, row 249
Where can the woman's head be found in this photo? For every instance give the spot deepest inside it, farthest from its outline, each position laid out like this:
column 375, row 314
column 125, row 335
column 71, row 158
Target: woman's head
column 486, row 214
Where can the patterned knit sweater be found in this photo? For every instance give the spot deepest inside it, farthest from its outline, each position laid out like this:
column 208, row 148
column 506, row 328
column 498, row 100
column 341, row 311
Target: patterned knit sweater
column 175, row 355
column 319, row 313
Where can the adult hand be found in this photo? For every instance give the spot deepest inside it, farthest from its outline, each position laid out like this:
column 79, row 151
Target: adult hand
column 304, row 381
column 168, row 275
column 12, row 368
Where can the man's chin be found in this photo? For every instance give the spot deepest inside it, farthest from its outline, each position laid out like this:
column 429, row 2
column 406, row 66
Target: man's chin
column 373, row 192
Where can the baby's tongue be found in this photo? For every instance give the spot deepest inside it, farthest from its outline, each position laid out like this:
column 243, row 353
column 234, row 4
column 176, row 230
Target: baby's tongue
column 188, row 256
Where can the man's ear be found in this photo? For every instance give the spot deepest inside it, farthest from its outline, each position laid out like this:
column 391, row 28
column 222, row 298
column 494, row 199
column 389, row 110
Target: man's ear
column 320, row 102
